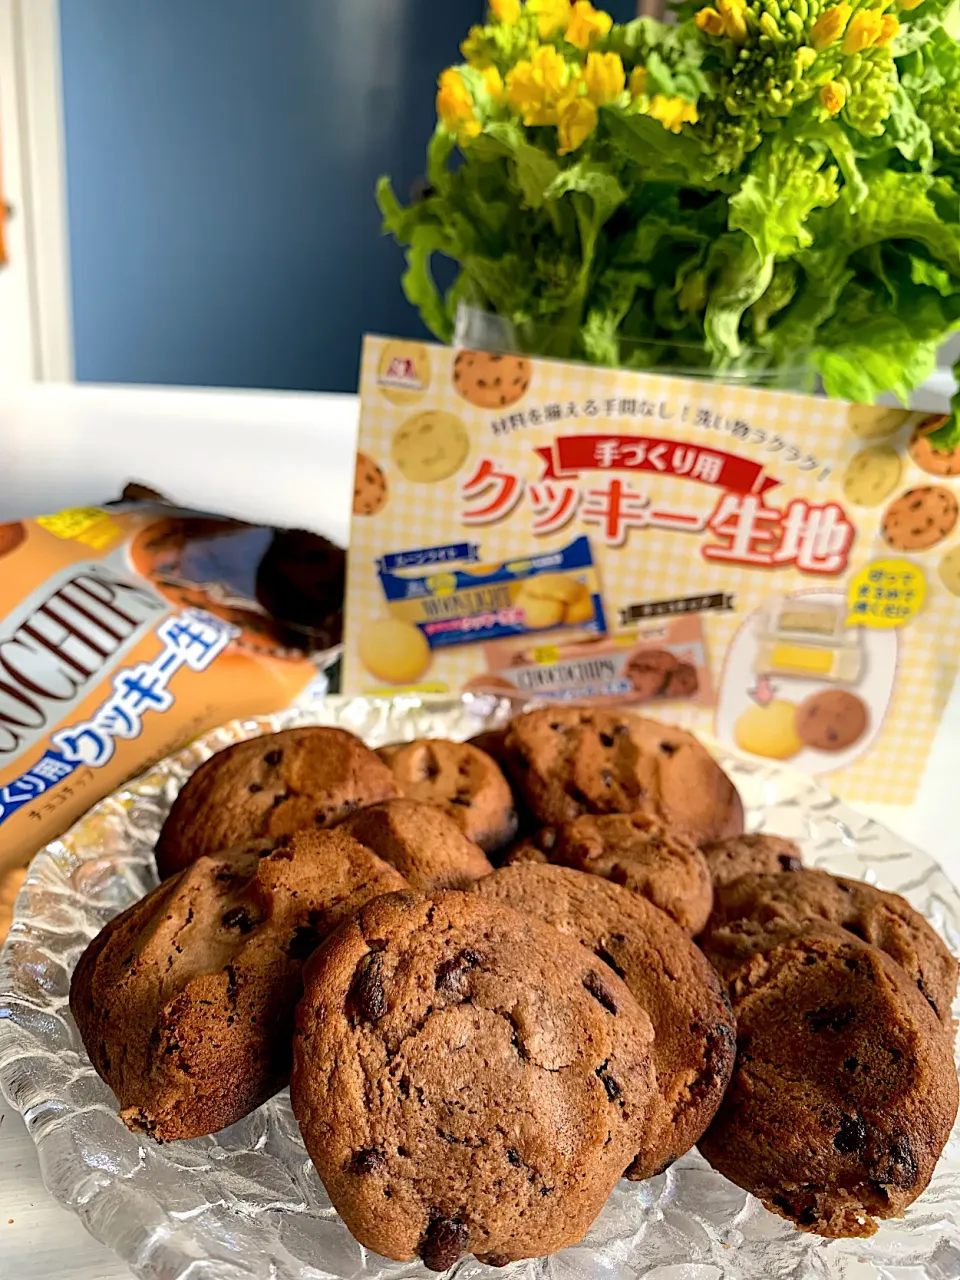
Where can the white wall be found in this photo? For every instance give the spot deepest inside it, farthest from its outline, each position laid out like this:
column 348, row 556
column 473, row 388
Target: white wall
column 17, row 340
column 35, row 335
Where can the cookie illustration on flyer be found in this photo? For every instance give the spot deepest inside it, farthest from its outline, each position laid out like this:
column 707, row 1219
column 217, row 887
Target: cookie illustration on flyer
column 761, row 565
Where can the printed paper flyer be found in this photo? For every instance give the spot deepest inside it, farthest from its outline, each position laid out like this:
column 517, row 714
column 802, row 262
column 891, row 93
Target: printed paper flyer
column 780, row 570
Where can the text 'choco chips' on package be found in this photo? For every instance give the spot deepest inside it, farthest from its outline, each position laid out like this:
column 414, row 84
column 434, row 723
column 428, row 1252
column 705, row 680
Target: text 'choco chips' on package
column 127, row 630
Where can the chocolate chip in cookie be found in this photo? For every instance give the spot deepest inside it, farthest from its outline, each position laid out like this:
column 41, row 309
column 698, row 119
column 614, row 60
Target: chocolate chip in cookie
column 741, row 855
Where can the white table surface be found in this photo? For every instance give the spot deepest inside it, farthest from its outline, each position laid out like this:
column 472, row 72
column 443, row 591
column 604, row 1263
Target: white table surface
column 281, row 458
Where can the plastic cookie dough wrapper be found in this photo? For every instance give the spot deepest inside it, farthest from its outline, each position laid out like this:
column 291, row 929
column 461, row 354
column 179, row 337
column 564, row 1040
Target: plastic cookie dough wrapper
column 449, row 597
column 666, row 662
column 808, row 638
column 128, row 629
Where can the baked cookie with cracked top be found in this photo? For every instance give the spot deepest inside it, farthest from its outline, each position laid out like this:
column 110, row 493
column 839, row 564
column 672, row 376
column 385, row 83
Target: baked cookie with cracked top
column 462, row 780
column 754, row 851
column 442, row 1044
column 567, row 761
column 752, row 908
column 844, row 1090
column 634, row 851
column 694, row 1028
column 185, row 1001
column 423, row 842
column 267, row 787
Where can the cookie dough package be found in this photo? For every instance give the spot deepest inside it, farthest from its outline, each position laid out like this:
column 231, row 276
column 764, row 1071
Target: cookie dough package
column 126, row 630
column 781, row 570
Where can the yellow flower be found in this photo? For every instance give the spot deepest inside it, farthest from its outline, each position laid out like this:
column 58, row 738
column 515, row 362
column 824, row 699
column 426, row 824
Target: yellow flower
column 472, row 45
column 455, row 106
column 638, row 81
column 525, row 94
column 577, row 119
column 493, row 82
column 709, row 22
column 587, row 24
column 506, row 11
column 889, row 30
column 454, row 102
column 604, row 77
column 551, row 15
column 673, row 113
column 833, row 96
column 908, row 4
column 535, row 88
column 734, row 23
column 829, row 26
column 863, row 31
column 553, row 72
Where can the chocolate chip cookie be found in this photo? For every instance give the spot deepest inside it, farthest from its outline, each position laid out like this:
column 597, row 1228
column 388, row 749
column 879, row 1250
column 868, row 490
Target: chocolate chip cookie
column 635, row 851
column 831, row 720
column 694, row 1029
column 648, row 671
column 682, row 683
column 461, row 779
column 369, row 487
column 421, row 841
column 268, row 787
column 491, row 381
column 794, row 899
column 758, row 851
column 467, row 1080
column 919, row 518
column 936, row 462
column 567, row 761
column 185, row 1002
column 536, row 847
column 844, row 1089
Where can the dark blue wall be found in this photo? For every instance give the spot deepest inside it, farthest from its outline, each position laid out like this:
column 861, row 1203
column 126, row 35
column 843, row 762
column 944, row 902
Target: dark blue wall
column 221, row 158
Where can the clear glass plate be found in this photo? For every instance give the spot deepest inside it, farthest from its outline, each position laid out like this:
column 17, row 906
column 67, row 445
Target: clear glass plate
column 247, row 1204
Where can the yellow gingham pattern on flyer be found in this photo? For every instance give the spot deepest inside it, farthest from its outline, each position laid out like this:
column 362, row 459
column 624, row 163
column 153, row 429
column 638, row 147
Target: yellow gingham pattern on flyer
column 786, row 432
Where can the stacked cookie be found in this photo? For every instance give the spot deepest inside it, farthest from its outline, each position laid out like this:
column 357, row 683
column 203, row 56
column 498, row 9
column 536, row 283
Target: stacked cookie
column 844, row 1091
column 185, row 1002
column 477, row 1055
